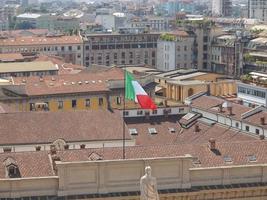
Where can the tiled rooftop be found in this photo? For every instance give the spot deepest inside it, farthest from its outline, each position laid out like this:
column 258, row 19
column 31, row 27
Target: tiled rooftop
column 169, row 131
column 42, row 40
column 238, row 153
column 46, row 127
column 30, row 164
column 212, row 104
column 69, row 83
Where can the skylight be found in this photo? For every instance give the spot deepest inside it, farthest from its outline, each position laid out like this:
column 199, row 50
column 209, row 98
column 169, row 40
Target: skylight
column 227, row 159
column 252, row 158
column 152, row 131
column 133, row 131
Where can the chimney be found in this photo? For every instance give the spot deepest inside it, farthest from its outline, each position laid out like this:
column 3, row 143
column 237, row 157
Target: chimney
column 54, row 159
column 262, row 120
column 220, row 108
column 212, row 144
column 197, row 128
column 53, row 149
column 230, row 109
column 38, row 148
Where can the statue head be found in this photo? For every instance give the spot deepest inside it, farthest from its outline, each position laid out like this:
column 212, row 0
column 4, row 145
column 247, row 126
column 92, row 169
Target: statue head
column 148, row 171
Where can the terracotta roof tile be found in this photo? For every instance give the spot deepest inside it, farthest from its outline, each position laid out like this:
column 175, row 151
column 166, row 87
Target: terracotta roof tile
column 211, row 104
column 238, row 151
column 46, row 127
column 255, row 119
column 69, row 83
column 42, row 40
column 181, row 135
column 28, row 165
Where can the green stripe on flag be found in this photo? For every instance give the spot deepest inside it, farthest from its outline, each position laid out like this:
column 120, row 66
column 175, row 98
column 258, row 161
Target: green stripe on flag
column 129, row 90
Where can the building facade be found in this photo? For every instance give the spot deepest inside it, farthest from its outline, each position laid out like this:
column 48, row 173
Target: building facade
column 175, row 51
column 120, row 49
column 222, row 8
column 227, row 55
column 70, row 48
column 257, row 9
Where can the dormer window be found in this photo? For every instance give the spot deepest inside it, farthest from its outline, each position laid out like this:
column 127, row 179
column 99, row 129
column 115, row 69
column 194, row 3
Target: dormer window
column 12, row 170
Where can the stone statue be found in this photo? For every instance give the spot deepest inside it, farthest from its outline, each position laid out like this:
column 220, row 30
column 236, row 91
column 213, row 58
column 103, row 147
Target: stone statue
column 148, row 186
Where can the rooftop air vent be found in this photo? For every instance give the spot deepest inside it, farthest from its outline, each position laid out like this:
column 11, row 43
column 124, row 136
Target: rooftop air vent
column 133, row 131
column 171, row 130
column 152, row 131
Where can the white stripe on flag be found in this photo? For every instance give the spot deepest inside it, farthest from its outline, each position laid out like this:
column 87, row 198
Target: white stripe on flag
column 138, row 90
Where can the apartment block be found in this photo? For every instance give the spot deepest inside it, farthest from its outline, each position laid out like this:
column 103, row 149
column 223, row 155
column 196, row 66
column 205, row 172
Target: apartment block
column 175, row 51
column 120, row 49
column 257, row 9
column 68, row 47
column 222, row 8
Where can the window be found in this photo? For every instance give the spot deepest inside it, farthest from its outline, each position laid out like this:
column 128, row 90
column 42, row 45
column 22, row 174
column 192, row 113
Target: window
column 78, row 47
column 87, row 47
column 62, row 48
column 125, row 113
column 60, row 105
column 139, row 112
column 154, row 112
column 73, row 103
column 257, row 131
column 118, row 100
column 247, row 128
column 32, row 106
column 87, row 102
column 100, row 101
column 236, row 124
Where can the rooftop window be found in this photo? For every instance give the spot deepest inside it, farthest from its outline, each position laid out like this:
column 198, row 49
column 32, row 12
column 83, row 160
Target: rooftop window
column 227, row 159
column 252, row 158
column 133, row 131
column 152, row 131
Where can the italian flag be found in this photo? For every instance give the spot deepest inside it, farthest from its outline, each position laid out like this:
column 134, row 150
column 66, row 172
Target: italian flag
column 134, row 91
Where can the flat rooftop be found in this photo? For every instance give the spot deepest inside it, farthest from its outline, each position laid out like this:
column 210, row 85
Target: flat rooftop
column 28, row 66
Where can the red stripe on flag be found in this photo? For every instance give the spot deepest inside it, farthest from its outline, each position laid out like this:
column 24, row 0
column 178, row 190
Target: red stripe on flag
column 146, row 102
